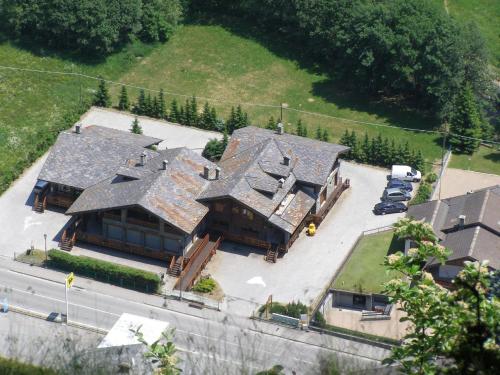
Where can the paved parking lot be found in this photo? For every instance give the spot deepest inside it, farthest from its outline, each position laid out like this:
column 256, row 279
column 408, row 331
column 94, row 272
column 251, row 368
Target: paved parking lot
column 458, row 182
column 20, row 226
column 311, row 262
column 173, row 135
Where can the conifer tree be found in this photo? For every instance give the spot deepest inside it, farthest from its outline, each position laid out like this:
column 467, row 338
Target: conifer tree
column 139, row 107
column 406, row 154
column 101, row 97
column 188, row 117
column 355, row 146
column 384, row 153
column 365, row 150
column 231, row 121
column 136, row 127
column 325, row 137
column 155, row 108
column 304, row 130
column 345, row 140
column 148, row 106
column 376, row 150
column 162, row 108
column 204, row 120
column 225, row 140
column 193, row 110
column 182, row 116
column 213, row 119
column 399, row 155
column 419, row 162
column 392, row 153
column 174, row 111
column 123, row 103
column 319, row 133
column 465, row 121
column 271, row 124
column 300, row 130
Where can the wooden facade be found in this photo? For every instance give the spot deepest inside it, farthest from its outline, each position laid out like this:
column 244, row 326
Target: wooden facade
column 135, row 231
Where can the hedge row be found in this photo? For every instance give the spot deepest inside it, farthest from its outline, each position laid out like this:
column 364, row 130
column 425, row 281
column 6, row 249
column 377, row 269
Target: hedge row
column 423, row 193
column 112, row 273
column 13, row 367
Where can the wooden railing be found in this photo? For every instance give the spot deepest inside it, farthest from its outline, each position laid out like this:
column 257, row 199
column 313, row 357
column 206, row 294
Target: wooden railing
column 328, row 204
column 122, row 246
column 61, row 200
column 184, row 284
column 109, row 215
column 247, row 240
column 201, row 244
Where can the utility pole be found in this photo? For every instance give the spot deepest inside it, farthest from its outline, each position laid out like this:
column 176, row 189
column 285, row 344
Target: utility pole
column 45, row 239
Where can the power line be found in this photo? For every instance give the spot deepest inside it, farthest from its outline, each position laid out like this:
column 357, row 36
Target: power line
column 76, row 74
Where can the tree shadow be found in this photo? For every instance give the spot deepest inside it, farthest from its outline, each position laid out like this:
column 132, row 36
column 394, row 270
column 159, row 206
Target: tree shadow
column 330, row 89
column 396, row 245
column 494, row 156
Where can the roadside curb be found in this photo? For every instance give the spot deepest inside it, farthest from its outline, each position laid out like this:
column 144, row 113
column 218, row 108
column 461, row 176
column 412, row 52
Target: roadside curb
column 42, row 316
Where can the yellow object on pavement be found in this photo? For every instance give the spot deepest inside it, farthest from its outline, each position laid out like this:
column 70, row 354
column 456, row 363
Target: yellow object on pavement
column 311, row 230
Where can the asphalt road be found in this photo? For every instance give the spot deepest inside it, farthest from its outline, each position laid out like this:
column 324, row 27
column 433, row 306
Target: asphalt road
column 226, row 344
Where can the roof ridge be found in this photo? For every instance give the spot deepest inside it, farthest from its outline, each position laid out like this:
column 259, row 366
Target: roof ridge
column 474, row 239
column 483, row 208
column 245, row 150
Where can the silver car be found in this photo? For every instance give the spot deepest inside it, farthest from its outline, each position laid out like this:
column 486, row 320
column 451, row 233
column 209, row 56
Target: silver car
column 396, row 195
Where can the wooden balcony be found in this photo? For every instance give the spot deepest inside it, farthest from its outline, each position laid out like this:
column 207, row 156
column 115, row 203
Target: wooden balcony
column 143, row 223
column 110, row 216
column 126, row 247
column 60, row 199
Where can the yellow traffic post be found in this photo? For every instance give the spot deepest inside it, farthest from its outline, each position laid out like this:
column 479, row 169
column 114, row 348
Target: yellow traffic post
column 68, row 283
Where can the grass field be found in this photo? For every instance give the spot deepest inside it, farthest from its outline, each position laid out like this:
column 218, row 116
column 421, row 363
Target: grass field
column 486, row 14
column 230, row 64
column 364, row 271
column 211, row 61
column 486, row 160
column 31, row 103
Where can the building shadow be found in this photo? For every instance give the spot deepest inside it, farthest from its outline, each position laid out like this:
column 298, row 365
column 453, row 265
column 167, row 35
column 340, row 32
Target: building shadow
column 239, row 249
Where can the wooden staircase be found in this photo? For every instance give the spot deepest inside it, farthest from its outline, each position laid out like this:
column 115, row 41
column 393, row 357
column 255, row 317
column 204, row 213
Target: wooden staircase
column 271, row 255
column 66, row 244
column 68, row 238
column 175, row 266
column 39, row 204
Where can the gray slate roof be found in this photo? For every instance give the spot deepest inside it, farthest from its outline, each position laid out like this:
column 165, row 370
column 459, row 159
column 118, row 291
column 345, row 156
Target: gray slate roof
column 253, row 163
column 169, row 194
column 82, row 160
column 479, row 238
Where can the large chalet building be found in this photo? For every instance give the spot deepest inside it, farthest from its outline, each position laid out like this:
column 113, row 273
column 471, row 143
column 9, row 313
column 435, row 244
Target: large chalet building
column 123, row 193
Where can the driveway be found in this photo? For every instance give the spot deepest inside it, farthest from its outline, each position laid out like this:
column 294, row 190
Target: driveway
column 174, row 135
column 20, row 227
column 458, row 182
column 311, row 262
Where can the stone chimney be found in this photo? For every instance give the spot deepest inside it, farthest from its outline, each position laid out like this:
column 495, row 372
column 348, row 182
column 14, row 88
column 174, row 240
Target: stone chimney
column 281, row 181
column 281, row 128
column 78, row 128
column 286, row 160
column 165, row 164
column 206, row 172
column 217, row 173
column 461, row 221
column 143, row 159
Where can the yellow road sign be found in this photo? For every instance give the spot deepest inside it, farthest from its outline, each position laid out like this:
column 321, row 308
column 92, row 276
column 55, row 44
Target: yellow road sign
column 69, row 280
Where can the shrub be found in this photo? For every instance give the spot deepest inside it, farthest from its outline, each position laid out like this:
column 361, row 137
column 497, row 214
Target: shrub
column 423, row 194
column 13, row 367
column 319, row 319
column 112, row 273
column 205, row 285
column 431, row 178
column 294, row 309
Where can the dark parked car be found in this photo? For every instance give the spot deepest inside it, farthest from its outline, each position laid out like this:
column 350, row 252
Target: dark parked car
column 383, row 208
column 396, row 183
column 396, row 195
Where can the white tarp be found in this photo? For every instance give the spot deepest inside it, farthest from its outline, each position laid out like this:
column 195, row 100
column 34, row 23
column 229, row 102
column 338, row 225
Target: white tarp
column 122, row 332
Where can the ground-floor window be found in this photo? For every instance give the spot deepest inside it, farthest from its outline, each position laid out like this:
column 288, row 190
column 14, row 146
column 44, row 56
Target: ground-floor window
column 134, row 236
column 115, row 232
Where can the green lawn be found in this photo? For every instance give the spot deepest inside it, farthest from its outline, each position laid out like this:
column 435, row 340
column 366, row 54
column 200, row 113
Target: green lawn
column 364, row 271
column 485, row 160
column 212, row 61
column 486, row 14
column 31, row 103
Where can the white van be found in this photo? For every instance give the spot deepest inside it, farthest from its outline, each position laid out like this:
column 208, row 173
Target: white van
column 405, row 173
